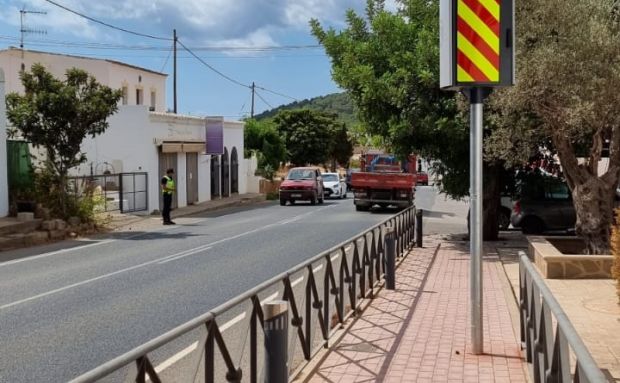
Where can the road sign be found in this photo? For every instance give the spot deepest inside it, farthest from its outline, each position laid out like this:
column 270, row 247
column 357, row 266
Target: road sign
column 476, row 43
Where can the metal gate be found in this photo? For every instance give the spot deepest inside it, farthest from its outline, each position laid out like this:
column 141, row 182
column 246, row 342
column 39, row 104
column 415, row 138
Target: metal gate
column 225, row 174
column 124, row 192
column 234, row 172
column 192, row 178
column 215, row 176
column 167, row 161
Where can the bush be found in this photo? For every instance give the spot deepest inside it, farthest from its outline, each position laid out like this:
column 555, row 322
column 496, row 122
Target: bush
column 615, row 247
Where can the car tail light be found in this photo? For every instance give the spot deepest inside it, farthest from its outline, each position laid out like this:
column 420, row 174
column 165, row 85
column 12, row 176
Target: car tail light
column 516, row 208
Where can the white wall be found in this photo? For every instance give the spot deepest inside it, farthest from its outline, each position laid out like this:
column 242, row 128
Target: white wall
column 110, row 73
column 131, row 142
column 4, row 188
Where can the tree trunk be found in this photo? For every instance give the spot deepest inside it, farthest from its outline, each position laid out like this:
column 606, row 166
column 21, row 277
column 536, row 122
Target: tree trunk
column 594, row 203
column 491, row 201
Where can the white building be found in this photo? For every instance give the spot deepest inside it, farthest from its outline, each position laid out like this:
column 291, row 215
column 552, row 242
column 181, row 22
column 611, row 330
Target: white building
column 142, row 138
column 140, row 86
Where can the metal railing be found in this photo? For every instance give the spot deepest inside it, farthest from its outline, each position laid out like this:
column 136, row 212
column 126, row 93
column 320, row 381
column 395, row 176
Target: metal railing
column 337, row 281
column 548, row 335
column 124, row 192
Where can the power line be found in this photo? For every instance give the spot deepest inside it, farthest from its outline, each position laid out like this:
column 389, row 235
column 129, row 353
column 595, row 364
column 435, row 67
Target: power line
column 265, row 101
column 108, row 25
column 167, row 58
column 211, row 67
column 276, row 93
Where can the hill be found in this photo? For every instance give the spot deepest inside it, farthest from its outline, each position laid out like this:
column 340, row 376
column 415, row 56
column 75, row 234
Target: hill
column 338, row 103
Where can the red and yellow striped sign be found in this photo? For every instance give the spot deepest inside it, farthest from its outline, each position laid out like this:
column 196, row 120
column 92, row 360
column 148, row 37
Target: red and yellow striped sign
column 478, row 41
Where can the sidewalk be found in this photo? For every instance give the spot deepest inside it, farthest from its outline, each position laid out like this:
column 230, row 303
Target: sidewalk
column 420, row 331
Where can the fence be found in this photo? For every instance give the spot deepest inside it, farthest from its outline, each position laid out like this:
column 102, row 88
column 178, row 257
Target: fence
column 124, row 192
column 322, row 294
column 548, row 336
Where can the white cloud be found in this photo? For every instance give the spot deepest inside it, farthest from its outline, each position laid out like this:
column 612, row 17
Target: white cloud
column 225, row 21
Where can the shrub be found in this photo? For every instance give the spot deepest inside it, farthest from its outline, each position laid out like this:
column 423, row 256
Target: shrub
column 615, row 246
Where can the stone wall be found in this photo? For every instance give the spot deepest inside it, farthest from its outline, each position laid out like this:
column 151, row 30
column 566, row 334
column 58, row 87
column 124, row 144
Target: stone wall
column 555, row 265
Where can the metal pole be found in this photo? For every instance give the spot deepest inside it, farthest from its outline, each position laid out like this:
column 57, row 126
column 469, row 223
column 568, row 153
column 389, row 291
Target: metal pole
column 253, row 91
column 418, row 227
column 476, row 99
column 390, row 258
column 174, row 81
column 276, row 342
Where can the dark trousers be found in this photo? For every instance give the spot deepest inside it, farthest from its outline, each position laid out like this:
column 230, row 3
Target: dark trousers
column 165, row 213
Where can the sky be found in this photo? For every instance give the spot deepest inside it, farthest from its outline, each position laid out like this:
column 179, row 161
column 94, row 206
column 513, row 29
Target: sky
column 263, row 41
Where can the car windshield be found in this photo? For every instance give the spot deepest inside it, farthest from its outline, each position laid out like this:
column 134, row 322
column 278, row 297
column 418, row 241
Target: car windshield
column 300, row 174
column 330, row 177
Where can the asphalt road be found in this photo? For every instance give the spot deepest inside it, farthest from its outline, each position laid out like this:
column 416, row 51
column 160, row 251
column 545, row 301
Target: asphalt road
column 67, row 309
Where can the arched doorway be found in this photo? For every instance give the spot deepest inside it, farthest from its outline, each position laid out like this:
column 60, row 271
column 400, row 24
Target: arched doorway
column 225, row 174
column 234, row 172
column 215, row 176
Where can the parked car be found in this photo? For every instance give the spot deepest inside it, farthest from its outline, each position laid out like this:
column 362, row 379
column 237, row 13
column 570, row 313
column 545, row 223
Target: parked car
column 335, row 186
column 302, row 184
column 545, row 204
column 422, row 178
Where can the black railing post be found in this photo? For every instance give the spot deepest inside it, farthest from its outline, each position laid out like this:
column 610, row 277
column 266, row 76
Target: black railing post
column 418, row 227
column 276, row 342
column 120, row 192
column 390, row 258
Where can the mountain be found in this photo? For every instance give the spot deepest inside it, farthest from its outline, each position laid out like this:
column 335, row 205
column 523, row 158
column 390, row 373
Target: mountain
column 338, row 103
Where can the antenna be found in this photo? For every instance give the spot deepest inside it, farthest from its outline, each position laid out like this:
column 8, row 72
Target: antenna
column 23, row 29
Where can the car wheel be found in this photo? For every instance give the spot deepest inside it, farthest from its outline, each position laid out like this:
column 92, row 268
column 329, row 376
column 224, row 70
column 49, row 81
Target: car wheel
column 361, row 208
column 503, row 220
column 292, row 202
column 532, row 225
column 282, row 202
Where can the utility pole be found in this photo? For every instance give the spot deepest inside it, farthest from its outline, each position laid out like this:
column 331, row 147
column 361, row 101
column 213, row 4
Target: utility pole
column 253, row 91
column 174, row 86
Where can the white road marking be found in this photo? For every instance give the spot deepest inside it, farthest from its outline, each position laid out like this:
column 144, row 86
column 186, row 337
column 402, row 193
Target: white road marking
column 232, row 322
column 158, row 260
column 176, row 357
column 269, row 298
column 8, row 263
column 170, row 259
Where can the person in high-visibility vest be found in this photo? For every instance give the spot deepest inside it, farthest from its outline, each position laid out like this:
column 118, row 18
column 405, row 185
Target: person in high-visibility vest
column 167, row 189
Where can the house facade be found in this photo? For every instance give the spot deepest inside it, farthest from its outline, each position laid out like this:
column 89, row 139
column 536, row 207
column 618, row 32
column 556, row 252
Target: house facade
column 140, row 86
column 141, row 137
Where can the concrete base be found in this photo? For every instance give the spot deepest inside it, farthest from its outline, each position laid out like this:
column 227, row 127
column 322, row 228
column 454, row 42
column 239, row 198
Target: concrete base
column 555, row 264
column 25, row 216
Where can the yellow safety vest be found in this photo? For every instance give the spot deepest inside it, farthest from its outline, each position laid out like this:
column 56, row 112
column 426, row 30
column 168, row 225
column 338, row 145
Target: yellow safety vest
column 169, row 185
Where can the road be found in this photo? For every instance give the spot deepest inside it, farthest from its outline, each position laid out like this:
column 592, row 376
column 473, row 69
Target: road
column 64, row 312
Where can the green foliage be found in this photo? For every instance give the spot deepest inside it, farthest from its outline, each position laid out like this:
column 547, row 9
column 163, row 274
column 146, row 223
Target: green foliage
column 307, row 135
column 57, row 116
column 341, row 148
column 339, row 104
column 262, row 138
column 389, row 65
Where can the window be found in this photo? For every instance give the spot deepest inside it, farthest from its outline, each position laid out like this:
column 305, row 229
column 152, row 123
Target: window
column 139, row 98
column 153, row 99
column 125, row 95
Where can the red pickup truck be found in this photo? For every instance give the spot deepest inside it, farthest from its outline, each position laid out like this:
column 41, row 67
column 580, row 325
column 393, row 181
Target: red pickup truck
column 383, row 181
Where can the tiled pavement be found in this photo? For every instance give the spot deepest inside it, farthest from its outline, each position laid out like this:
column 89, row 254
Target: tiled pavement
column 420, row 331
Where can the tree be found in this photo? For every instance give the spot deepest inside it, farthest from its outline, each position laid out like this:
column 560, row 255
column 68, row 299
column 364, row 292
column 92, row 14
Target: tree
column 263, row 138
column 341, row 147
column 57, row 115
column 566, row 100
column 389, row 65
column 307, row 135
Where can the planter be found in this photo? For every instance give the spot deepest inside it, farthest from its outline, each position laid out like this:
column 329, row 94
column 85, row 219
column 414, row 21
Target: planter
column 562, row 258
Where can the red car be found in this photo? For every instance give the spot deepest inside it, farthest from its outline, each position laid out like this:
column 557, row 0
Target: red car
column 302, row 184
column 422, row 178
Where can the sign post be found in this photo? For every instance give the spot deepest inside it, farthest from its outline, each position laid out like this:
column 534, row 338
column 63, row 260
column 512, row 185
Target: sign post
column 476, row 48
